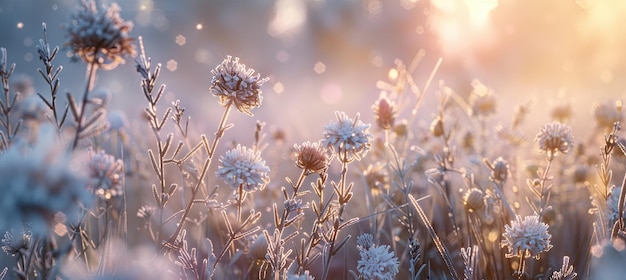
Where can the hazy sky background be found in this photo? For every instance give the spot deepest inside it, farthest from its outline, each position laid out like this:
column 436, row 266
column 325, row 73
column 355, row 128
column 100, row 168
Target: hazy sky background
column 323, row 55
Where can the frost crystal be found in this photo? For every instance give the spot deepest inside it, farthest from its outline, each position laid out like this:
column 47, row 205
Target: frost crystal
column 350, row 139
column 235, row 84
column 526, row 237
column 243, row 167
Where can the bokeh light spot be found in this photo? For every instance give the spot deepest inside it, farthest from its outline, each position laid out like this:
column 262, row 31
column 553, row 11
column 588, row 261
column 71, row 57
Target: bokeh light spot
column 393, row 74
column 20, row 25
column 199, row 26
column 172, row 65
column 377, row 61
column 29, row 56
column 319, row 67
column 279, row 88
column 203, row 56
column 28, row 41
column 180, row 40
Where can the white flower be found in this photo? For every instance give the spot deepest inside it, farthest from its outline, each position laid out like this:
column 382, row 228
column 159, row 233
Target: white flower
column 38, row 182
column 554, row 138
column 377, row 262
column 233, row 82
column 243, row 167
column 350, row 139
column 100, row 36
column 526, row 237
column 106, row 174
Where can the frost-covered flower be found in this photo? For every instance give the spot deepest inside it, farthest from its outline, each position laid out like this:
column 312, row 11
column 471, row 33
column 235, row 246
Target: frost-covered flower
column 482, row 100
column 474, row 200
column 16, row 239
column 554, row 138
column 100, row 35
column 233, row 82
column 38, row 182
column 243, row 167
column 106, row 174
column 350, row 139
column 608, row 113
column 385, row 112
column 377, row 262
column 311, row 156
column 566, row 272
column 526, row 237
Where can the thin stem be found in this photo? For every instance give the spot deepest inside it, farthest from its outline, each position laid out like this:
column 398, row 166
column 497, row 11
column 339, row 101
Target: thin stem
column 205, row 168
column 92, row 68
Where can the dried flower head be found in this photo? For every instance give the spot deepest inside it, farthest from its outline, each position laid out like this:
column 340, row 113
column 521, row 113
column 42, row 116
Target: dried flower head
column 376, row 177
column 554, row 138
column 385, row 112
column 106, row 174
column 561, row 111
column 146, row 212
column 16, row 240
column 436, row 127
column 499, row 170
column 311, row 157
column 243, row 167
column 349, row 139
column 526, row 237
column 235, row 84
column 607, row 114
column 474, row 200
column 100, row 36
column 482, row 100
column 38, row 182
column 566, row 272
column 377, row 262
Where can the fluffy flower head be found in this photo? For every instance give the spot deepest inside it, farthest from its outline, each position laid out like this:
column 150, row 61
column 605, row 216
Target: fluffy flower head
column 350, row 139
column 385, row 112
column 38, row 182
column 526, row 237
column 554, row 138
column 100, row 36
column 311, row 156
column 106, row 174
column 482, row 100
column 377, row 262
column 243, row 167
column 234, row 83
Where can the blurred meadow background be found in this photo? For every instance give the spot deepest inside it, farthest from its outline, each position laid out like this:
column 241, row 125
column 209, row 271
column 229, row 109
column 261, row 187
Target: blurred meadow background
column 454, row 100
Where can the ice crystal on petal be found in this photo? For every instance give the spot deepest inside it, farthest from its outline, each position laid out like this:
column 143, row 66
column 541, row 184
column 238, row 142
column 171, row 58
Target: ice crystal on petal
column 235, row 84
column 243, row 167
column 350, row 139
column 526, row 237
